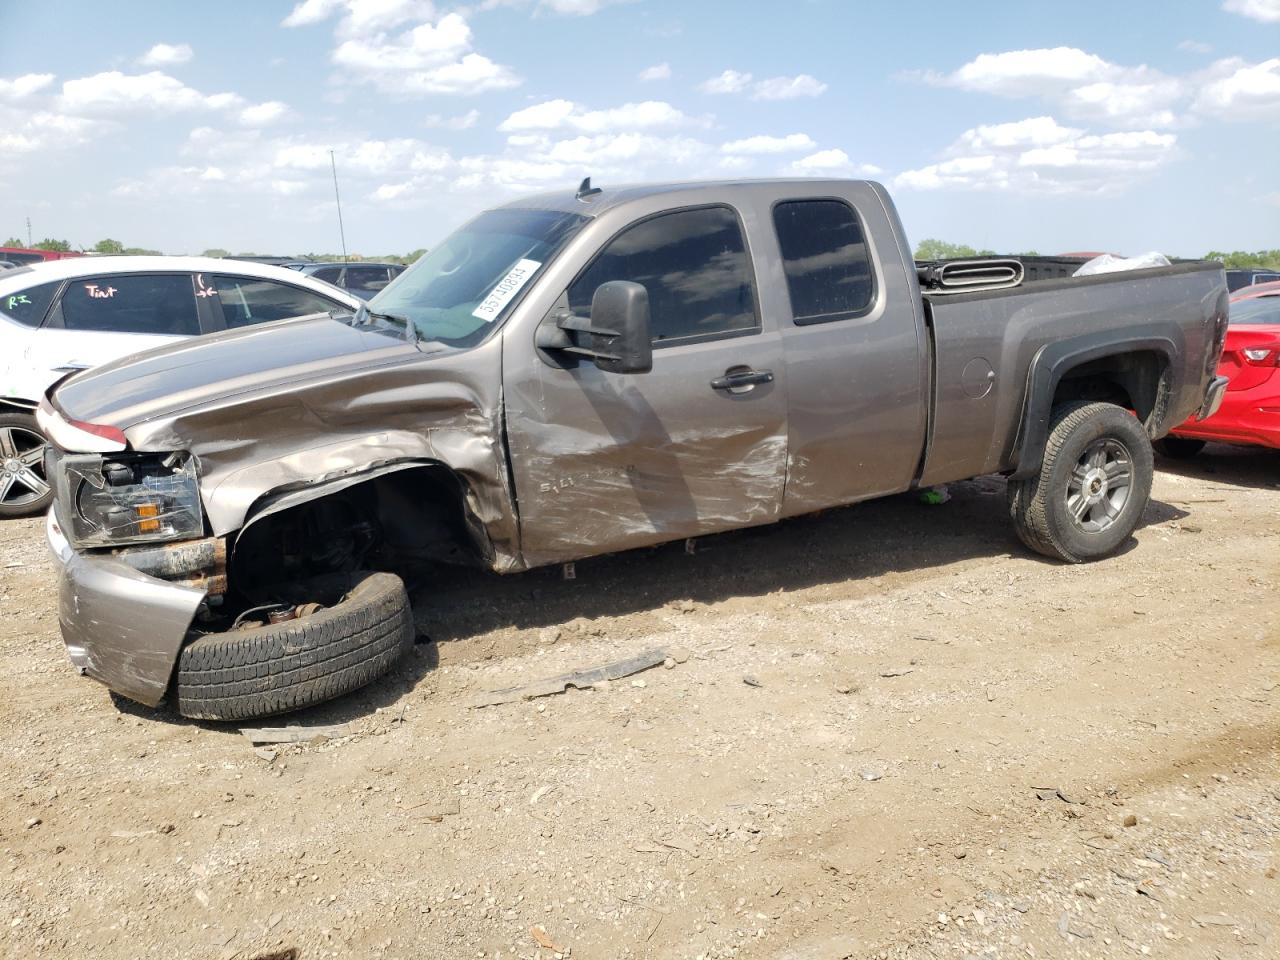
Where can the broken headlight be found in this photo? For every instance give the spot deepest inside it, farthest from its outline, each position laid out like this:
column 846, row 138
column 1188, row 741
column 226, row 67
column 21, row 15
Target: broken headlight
column 132, row 498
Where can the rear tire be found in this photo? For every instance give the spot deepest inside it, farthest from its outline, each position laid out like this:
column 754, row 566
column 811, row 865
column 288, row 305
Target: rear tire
column 1179, row 448
column 1093, row 484
column 259, row 671
column 24, row 489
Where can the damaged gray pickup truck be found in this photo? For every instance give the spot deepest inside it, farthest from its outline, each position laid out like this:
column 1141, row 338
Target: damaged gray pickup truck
column 580, row 373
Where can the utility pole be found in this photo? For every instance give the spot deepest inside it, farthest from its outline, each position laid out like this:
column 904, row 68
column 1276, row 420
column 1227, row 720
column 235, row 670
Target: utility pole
column 28, row 231
column 338, row 200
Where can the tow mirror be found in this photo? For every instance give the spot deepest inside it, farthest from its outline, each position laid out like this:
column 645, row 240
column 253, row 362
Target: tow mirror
column 616, row 335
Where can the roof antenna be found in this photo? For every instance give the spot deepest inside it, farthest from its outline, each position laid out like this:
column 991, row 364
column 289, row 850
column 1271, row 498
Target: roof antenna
column 585, row 189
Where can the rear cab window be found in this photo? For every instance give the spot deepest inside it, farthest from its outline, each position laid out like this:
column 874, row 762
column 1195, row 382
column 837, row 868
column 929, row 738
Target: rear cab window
column 29, row 306
column 695, row 266
column 825, row 256
column 156, row 304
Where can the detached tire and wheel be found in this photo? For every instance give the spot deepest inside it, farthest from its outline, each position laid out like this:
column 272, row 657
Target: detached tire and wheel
column 24, row 489
column 1179, row 448
column 1093, row 484
column 263, row 670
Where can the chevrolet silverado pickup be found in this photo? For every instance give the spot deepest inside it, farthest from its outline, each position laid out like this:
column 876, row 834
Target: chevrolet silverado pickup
column 579, row 373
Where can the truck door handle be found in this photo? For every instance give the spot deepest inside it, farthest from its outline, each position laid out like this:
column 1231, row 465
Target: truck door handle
column 737, row 377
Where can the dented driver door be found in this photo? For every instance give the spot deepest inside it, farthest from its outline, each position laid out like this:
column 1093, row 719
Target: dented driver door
column 605, row 461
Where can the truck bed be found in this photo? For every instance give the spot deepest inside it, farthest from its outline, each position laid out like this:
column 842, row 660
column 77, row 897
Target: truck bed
column 985, row 341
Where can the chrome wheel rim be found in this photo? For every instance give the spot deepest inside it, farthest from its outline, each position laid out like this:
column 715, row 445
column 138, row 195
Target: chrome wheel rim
column 1099, row 486
column 22, row 479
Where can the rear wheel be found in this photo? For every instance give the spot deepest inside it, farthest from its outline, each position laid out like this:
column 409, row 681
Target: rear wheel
column 1093, row 484
column 1179, row 448
column 24, row 489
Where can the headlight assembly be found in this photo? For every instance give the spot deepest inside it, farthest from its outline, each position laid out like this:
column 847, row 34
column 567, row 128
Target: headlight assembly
column 129, row 498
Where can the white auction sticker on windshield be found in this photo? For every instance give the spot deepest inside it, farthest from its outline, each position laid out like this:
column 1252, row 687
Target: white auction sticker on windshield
column 506, row 288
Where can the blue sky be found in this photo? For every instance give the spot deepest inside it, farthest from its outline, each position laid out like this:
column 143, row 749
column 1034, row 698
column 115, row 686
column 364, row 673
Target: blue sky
column 1121, row 126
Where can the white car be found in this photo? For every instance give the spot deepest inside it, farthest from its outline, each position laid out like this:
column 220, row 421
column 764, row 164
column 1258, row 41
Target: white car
column 67, row 315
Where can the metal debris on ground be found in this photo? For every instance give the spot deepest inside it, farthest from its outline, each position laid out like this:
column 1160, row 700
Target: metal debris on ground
column 751, row 681
column 896, row 672
column 295, row 734
column 580, row 680
column 1051, row 793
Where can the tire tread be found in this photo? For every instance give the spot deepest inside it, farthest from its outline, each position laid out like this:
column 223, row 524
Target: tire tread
column 282, row 667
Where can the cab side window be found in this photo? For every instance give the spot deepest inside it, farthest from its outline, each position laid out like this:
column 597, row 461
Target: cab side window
column 157, row 304
column 826, row 260
column 248, row 300
column 694, row 264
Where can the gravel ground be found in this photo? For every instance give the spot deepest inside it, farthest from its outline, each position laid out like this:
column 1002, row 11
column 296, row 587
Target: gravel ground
column 885, row 731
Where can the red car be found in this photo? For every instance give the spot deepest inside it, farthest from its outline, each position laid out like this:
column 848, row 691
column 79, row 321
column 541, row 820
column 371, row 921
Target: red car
column 1250, row 411
column 25, row 256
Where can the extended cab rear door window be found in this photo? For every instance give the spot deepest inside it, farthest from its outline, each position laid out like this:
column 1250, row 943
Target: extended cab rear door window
column 249, row 300
column 824, row 253
column 156, row 304
column 695, row 266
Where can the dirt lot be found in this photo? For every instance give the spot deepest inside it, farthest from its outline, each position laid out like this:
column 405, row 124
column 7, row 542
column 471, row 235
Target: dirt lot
column 844, row 765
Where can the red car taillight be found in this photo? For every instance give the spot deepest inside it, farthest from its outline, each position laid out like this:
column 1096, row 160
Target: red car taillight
column 1261, row 356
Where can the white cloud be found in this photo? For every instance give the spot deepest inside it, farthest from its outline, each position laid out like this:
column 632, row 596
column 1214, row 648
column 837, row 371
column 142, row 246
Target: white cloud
column 1083, row 84
column 42, row 130
column 577, row 8
column 462, row 122
column 115, row 91
column 1264, row 11
column 1195, row 46
column 565, row 114
column 788, row 88
column 768, row 144
column 831, row 163
column 659, row 71
column 287, row 188
column 731, row 81
column 774, row 88
column 359, row 17
column 263, row 114
column 1040, row 155
column 1127, row 103
column 428, row 57
column 24, row 86
column 1020, row 73
column 1033, row 132
column 1236, row 90
column 167, row 55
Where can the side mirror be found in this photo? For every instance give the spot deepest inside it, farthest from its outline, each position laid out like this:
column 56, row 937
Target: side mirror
column 620, row 327
column 616, row 335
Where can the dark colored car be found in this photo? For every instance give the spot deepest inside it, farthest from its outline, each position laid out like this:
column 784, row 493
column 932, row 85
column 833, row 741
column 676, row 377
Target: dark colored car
column 363, row 280
column 1238, row 279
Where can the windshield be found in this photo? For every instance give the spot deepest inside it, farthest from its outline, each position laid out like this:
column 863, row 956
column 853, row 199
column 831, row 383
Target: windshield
column 457, row 291
column 1257, row 310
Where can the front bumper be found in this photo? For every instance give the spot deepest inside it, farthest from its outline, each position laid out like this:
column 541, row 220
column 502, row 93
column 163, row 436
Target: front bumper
column 121, row 627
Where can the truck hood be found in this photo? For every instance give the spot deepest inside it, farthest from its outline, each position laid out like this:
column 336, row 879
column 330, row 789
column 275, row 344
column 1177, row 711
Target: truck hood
column 195, row 372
